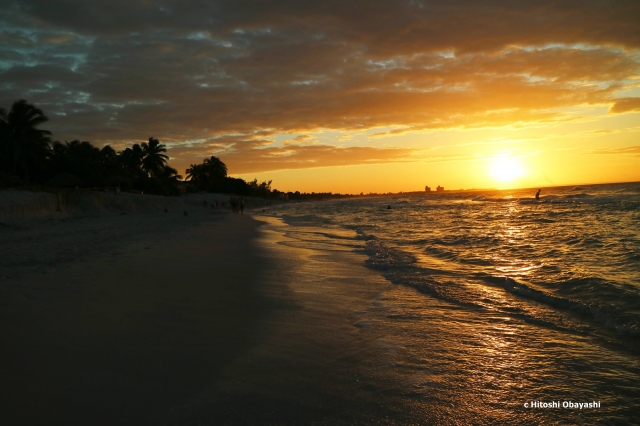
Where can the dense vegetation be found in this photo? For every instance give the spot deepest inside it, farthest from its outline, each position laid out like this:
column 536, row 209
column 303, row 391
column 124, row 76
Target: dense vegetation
column 29, row 156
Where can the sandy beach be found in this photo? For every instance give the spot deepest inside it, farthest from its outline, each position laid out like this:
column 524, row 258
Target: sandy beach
column 115, row 311
column 161, row 318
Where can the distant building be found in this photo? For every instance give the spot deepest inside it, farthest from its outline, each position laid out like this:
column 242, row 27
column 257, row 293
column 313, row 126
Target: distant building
column 440, row 188
column 427, row 189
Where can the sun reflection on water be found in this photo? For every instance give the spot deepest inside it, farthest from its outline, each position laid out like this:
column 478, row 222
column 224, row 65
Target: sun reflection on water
column 498, row 300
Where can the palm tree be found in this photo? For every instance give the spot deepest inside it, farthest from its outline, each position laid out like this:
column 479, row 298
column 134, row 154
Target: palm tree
column 196, row 174
column 131, row 160
column 194, row 171
column 206, row 175
column 154, row 160
column 216, row 169
column 23, row 147
column 169, row 175
column 108, row 155
column 85, row 161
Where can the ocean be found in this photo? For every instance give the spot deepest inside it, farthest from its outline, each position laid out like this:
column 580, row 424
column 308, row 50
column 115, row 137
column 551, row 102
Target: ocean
column 503, row 309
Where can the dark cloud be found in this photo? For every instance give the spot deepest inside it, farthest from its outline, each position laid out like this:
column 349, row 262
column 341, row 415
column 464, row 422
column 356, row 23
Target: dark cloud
column 193, row 72
column 384, row 27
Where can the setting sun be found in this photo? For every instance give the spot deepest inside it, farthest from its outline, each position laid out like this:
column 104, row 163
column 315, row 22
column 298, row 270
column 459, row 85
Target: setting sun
column 506, row 169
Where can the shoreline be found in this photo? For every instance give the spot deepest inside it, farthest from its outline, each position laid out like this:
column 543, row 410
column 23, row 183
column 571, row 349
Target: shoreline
column 225, row 319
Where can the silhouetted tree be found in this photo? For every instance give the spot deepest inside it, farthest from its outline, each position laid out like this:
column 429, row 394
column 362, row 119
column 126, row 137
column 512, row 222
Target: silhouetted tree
column 215, row 168
column 169, row 175
column 109, row 161
column 194, row 171
column 24, row 148
column 27, row 152
column 196, row 174
column 153, row 160
column 262, row 189
column 81, row 159
column 207, row 175
column 131, row 160
column 231, row 185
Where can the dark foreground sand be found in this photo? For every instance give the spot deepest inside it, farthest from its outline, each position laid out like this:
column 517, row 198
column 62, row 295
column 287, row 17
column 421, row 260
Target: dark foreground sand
column 212, row 323
column 119, row 339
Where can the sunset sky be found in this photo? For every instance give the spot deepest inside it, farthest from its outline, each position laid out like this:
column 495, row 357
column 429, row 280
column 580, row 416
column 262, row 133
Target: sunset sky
column 342, row 96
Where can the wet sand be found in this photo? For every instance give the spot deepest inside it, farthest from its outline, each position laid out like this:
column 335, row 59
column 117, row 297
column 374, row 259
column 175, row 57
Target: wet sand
column 207, row 320
column 317, row 363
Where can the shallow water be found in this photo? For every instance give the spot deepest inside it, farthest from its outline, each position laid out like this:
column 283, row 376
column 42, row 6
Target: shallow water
column 500, row 300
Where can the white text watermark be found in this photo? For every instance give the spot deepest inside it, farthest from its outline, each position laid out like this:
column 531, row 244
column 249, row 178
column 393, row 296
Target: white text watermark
column 563, row 404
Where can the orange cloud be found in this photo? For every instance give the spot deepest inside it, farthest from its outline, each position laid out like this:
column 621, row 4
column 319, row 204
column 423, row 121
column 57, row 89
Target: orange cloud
column 244, row 158
column 301, row 157
column 231, row 75
column 626, row 105
column 633, row 150
column 297, row 140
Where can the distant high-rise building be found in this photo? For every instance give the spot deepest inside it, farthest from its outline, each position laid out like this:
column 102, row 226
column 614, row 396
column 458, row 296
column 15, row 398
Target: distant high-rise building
column 440, row 188
column 427, row 189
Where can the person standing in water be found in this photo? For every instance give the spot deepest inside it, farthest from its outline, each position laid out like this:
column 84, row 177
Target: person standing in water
column 538, row 194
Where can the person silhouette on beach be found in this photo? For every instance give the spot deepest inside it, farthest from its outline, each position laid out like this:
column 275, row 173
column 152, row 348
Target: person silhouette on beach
column 241, row 205
column 538, row 194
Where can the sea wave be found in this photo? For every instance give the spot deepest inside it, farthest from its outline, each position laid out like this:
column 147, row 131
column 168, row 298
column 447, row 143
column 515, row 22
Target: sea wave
column 608, row 316
column 400, row 267
column 569, row 261
column 308, row 219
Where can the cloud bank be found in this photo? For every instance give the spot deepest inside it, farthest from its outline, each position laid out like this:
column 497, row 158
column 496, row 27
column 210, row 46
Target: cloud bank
column 224, row 77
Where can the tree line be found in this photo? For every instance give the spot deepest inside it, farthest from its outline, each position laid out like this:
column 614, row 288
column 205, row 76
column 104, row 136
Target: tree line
column 29, row 156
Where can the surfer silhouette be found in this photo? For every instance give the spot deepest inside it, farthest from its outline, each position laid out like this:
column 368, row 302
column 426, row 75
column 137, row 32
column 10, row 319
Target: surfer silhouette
column 538, row 195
